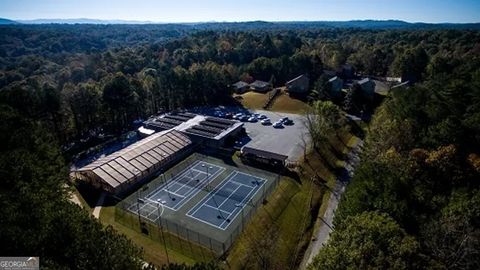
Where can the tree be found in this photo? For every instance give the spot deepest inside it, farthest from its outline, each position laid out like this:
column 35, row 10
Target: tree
column 331, row 118
column 411, row 64
column 37, row 217
column 119, row 98
column 369, row 241
column 320, row 89
column 453, row 239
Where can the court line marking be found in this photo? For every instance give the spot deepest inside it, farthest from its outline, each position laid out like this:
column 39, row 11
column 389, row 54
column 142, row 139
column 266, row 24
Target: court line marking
column 181, row 173
column 225, row 212
column 240, row 209
column 193, row 190
column 248, row 197
column 231, row 194
column 242, row 184
column 174, row 181
column 139, row 209
column 209, row 195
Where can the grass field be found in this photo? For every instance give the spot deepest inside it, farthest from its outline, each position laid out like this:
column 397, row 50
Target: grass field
column 154, row 250
column 282, row 103
column 285, row 103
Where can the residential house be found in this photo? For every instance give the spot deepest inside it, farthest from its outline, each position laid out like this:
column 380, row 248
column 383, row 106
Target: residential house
column 298, row 85
column 329, row 73
column 240, row 87
column 368, row 87
column 260, row 86
column 335, row 85
column 347, row 71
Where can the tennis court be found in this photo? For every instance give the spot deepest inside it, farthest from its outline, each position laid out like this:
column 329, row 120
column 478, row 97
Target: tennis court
column 174, row 193
column 223, row 204
column 203, row 199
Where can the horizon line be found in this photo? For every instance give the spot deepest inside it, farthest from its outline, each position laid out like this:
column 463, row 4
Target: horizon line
column 241, row 21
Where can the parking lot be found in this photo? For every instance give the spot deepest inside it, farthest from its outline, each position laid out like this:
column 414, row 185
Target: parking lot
column 286, row 140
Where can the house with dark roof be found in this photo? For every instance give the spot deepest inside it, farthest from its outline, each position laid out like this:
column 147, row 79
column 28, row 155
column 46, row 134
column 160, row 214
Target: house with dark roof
column 329, row 73
column 260, row 86
column 240, row 87
column 335, row 85
column 346, row 71
column 298, row 85
column 368, row 87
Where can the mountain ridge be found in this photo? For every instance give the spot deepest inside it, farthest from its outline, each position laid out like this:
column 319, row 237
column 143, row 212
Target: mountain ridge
column 364, row 24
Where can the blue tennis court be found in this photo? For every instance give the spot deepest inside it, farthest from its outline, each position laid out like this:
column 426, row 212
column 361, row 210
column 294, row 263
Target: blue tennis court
column 222, row 205
column 177, row 191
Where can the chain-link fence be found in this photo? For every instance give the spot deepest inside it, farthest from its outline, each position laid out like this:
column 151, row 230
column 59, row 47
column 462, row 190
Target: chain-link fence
column 184, row 235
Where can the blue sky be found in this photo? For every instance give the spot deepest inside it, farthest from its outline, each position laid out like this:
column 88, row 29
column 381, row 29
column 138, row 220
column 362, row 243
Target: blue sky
column 245, row 10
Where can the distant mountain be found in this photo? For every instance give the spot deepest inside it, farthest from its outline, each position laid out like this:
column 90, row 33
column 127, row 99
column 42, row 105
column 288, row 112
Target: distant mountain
column 397, row 24
column 7, row 21
column 363, row 24
column 82, row 21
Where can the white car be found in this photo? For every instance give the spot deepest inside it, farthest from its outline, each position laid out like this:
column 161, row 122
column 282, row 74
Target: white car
column 252, row 119
column 277, row 124
column 266, row 121
column 238, row 116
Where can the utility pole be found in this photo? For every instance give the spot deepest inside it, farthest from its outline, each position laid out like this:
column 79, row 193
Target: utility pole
column 161, row 231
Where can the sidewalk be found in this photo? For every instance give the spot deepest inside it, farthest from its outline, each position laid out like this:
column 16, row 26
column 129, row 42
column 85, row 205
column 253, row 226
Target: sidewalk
column 98, row 207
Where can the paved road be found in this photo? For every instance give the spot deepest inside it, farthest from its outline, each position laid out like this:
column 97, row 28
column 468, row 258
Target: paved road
column 323, row 233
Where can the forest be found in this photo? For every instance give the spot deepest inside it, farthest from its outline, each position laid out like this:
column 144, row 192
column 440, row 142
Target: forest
column 414, row 200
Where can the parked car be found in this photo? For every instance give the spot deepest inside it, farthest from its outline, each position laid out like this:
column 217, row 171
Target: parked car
column 277, row 124
column 266, row 121
column 238, row 116
column 252, row 119
column 262, row 116
column 243, row 118
column 288, row 122
column 229, row 115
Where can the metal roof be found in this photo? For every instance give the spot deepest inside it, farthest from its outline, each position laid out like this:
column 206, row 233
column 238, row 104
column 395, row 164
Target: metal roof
column 122, row 166
column 240, row 84
column 296, row 78
column 263, row 153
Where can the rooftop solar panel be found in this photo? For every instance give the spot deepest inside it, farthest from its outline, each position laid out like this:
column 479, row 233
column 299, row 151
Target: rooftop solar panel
column 199, row 132
column 213, row 124
column 212, row 130
column 220, row 121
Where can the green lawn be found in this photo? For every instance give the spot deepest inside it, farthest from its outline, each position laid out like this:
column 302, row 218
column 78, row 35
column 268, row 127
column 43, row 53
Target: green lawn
column 153, row 248
column 285, row 103
column 282, row 103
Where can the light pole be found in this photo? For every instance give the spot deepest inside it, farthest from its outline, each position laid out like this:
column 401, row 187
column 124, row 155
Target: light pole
column 138, row 210
column 161, row 228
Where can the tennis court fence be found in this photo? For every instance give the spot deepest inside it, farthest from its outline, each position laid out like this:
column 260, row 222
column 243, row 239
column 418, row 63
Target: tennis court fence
column 179, row 237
